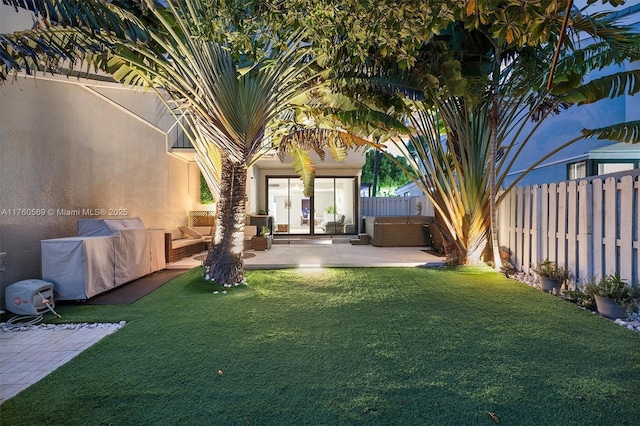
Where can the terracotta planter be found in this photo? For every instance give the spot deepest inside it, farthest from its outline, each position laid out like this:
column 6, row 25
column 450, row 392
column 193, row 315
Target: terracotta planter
column 609, row 308
column 548, row 284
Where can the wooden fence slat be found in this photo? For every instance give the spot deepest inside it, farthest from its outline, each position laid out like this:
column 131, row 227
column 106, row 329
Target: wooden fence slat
column 625, row 234
column 585, row 232
column 598, row 227
column 561, row 234
column 526, row 228
column 610, row 189
column 519, row 218
column 592, row 227
column 636, row 231
column 536, row 235
column 553, row 222
column 512, row 225
column 571, row 234
column 544, row 225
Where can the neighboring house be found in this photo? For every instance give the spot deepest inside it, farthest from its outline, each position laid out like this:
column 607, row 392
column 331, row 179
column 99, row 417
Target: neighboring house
column 591, row 156
column 409, row 190
column 76, row 148
column 365, row 189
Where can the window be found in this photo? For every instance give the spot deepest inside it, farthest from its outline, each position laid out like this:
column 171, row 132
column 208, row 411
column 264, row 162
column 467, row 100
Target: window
column 577, row 170
column 605, row 168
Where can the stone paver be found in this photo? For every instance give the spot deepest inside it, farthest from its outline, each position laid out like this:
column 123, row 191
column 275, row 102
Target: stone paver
column 28, row 356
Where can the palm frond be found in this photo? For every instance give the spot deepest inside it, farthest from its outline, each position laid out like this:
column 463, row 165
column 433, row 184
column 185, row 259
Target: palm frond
column 305, row 168
column 609, row 86
column 628, row 132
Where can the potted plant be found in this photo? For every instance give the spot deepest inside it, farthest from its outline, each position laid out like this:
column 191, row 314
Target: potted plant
column 263, row 240
column 613, row 296
column 550, row 275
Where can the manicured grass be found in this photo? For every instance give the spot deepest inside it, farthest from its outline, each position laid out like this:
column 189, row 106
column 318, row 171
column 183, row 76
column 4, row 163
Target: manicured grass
column 342, row 346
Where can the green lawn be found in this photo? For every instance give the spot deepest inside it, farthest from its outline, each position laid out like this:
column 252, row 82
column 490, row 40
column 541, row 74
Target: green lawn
column 344, row 346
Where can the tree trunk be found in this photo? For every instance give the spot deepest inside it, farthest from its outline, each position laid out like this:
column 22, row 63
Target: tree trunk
column 493, row 229
column 465, row 248
column 225, row 263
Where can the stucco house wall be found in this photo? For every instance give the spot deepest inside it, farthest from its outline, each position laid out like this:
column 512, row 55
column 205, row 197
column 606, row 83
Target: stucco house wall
column 65, row 149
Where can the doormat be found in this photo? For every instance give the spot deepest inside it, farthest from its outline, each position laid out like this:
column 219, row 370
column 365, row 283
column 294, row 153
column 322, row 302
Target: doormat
column 135, row 290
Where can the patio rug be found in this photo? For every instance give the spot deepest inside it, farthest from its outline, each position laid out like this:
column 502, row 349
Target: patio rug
column 135, row 290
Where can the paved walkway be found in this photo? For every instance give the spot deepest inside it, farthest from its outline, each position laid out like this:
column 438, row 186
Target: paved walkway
column 28, row 356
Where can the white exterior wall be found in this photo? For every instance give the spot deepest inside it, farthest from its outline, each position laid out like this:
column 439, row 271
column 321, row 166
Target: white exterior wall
column 256, row 181
column 63, row 147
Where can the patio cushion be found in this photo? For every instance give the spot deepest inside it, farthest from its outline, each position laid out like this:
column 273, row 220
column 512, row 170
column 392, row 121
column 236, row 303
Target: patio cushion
column 176, row 233
column 190, row 232
column 204, row 230
column 184, row 242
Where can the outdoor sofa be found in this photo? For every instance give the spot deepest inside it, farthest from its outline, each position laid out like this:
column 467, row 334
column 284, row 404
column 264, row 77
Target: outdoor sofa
column 185, row 241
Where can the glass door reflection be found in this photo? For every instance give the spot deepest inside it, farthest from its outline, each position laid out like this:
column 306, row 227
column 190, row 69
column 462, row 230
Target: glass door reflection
column 330, row 211
column 290, row 209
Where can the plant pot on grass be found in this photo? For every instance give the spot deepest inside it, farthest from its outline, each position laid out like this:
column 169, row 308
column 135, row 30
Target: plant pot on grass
column 550, row 275
column 613, row 296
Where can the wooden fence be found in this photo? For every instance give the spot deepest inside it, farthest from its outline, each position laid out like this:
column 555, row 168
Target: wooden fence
column 588, row 226
column 395, row 206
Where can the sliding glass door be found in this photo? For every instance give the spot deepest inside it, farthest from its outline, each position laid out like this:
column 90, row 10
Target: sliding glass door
column 330, row 210
column 335, row 205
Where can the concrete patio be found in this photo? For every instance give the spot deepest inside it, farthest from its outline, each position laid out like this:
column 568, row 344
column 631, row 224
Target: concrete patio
column 331, row 254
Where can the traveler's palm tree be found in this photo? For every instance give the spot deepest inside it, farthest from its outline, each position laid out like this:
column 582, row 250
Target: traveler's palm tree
column 227, row 107
column 490, row 117
column 483, row 100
